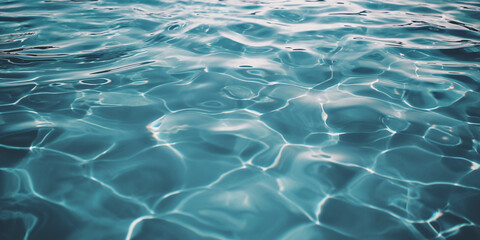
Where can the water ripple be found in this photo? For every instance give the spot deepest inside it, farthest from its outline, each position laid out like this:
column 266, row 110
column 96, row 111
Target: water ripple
column 239, row 119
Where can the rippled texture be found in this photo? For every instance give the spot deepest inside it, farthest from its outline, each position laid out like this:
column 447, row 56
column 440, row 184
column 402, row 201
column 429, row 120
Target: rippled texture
column 235, row 119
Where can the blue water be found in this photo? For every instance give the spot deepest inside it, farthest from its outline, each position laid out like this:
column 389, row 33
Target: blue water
column 203, row 119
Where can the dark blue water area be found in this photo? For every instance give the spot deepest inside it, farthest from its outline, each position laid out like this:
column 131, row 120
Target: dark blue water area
column 204, row 119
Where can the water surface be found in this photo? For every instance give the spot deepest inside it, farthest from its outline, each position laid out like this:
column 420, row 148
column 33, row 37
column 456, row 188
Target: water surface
column 234, row 119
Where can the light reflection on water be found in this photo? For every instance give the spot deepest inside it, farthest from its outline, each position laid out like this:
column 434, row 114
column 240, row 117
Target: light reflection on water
column 239, row 120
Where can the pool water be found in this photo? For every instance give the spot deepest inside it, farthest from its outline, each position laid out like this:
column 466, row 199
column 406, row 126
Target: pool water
column 203, row 119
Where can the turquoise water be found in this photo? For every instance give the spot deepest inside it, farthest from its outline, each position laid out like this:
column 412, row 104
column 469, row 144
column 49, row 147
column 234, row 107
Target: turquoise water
column 236, row 119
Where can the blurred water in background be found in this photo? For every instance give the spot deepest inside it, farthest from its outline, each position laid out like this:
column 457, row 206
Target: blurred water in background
column 237, row 119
